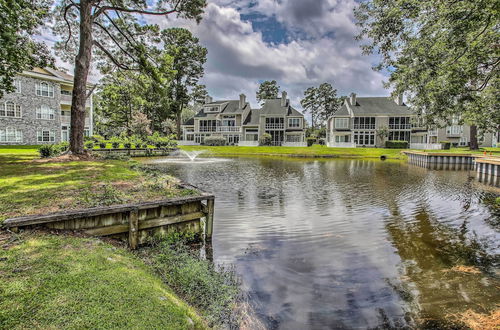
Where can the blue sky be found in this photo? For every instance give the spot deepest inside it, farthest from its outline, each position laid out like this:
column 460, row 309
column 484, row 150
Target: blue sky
column 299, row 43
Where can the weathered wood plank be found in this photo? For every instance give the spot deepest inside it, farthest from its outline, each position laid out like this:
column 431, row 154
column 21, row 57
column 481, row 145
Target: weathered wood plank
column 133, row 229
column 209, row 225
column 96, row 211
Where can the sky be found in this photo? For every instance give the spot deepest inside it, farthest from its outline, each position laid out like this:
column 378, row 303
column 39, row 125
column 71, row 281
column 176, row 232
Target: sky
column 298, row 43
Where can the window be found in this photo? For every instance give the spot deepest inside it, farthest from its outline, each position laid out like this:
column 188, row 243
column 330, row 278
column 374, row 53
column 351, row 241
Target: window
column 463, row 142
column 399, row 123
column 10, row 109
column 17, row 86
column 45, row 136
column 364, row 138
column 65, row 92
column 211, row 109
column 454, row 130
column 44, row 89
column 364, row 122
column 294, row 138
column 294, row 123
column 275, row 123
column 399, row 135
column 10, row 134
column 341, row 138
column 44, row 112
column 86, row 132
column 208, row 125
column 65, row 133
column 342, row 123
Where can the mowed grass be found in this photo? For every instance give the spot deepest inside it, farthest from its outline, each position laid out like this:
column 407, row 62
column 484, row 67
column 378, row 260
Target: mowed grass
column 61, row 282
column 29, row 186
column 322, row 151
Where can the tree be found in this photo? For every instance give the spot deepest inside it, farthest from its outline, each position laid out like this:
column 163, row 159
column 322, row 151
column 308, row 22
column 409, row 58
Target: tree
column 444, row 54
column 111, row 29
column 268, row 90
column 198, row 94
column 188, row 60
column 18, row 51
column 382, row 133
column 140, row 124
column 321, row 102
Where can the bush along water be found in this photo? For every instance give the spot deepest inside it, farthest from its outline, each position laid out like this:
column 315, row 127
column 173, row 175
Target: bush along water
column 213, row 290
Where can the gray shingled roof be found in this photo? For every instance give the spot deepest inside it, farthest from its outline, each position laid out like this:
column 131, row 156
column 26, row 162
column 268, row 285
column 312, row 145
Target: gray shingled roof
column 273, row 107
column 374, row 106
column 252, row 118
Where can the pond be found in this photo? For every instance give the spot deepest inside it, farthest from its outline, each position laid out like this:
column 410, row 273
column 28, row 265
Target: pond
column 352, row 243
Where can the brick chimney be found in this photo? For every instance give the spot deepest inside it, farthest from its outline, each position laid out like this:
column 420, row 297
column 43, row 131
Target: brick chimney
column 283, row 99
column 399, row 99
column 353, row 99
column 243, row 100
column 208, row 99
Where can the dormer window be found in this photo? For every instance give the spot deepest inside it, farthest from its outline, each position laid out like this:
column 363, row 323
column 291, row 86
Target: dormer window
column 211, row 109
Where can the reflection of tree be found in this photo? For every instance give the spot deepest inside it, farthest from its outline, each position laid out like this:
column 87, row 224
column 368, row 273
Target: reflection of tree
column 429, row 250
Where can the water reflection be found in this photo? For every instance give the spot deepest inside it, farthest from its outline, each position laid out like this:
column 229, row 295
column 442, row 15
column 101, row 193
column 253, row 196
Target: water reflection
column 349, row 243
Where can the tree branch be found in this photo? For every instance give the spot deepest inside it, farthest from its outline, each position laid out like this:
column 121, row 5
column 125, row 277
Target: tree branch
column 114, row 40
column 110, row 56
column 136, row 11
column 70, row 34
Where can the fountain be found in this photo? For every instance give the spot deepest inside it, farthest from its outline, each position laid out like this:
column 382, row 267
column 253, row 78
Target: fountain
column 192, row 154
column 186, row 157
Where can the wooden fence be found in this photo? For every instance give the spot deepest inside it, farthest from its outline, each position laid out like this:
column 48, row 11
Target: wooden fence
column 135, row 223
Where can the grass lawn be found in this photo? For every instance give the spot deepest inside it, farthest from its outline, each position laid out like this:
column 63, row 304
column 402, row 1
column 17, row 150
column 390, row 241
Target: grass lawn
column 31, row 186
column 54, row 282
column 320, row 151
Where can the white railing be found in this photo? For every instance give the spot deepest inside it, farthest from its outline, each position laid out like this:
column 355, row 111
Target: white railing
column 229, row 129
column 207, row 129
column 67, row 120
column 275, row 126
column 294, row 144
column 432, row 132
column 248, row 143
column 341, row 144
column 425, row 146
column 364, row 126
column 399, row 126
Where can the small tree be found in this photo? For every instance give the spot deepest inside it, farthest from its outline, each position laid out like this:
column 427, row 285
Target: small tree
column 383, row 133
column 140, row 124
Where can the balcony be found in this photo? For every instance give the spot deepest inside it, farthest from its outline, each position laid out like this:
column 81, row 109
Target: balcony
column 66, row 100
column 399, row 126
column 207, row 129
column 66, row 120
column 364, row 126
column 275, row 126
column 225, row 129
column 454, row 131
column 433, row 132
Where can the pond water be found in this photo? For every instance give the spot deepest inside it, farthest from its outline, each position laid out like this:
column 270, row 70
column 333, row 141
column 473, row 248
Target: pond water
column 349, row 244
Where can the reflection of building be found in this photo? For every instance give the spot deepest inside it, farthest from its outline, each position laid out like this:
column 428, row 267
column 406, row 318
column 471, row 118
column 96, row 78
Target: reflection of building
column 240, row 125
column 39, row 110
column 360, row 119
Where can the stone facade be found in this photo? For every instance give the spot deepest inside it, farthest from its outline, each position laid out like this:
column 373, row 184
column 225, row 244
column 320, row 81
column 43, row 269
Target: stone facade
column 29, row 102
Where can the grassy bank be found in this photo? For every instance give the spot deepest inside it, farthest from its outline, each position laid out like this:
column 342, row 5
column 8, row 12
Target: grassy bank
column 51, row 281
column 33, row 186
column 320, row 151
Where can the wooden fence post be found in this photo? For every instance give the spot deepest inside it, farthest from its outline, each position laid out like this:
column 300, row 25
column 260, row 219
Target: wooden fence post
column 209, row 224
column 133, row 231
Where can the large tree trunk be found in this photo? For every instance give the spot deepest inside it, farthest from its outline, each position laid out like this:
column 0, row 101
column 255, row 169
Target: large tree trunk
column 82, row 65
column 473, row 138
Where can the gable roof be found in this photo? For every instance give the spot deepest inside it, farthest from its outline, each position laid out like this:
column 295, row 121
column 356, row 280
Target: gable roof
column 273, row 107
column 376, row 106
column 253, row 118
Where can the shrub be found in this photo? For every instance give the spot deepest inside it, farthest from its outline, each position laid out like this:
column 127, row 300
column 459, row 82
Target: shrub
column 310, row 141
column 215, row 141
column 115, row 142
column 49, row 150
column 63, row 146
column 127, row 145
column 89, row 145
column 266, row 139
column 102, row 145
column 108, row 195
column 322, row 141
column 445, row 145
column 394, row 144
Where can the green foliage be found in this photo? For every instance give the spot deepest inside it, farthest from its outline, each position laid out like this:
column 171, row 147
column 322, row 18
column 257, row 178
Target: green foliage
column 161, row 141
column 445, row 145
column 115, row 142
column 127, row 145
column 444, row 54
column 321, row 102
column 49, row 150
column 213, row 290
column 140, row 124
column 106, row 195
column 268, row 90
column 89, row 145
column 310, row 141
column 198, row 94
column 102, row 145
column 266, row 139
column 395, row 144
column 19, row 22
column 214, row 141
